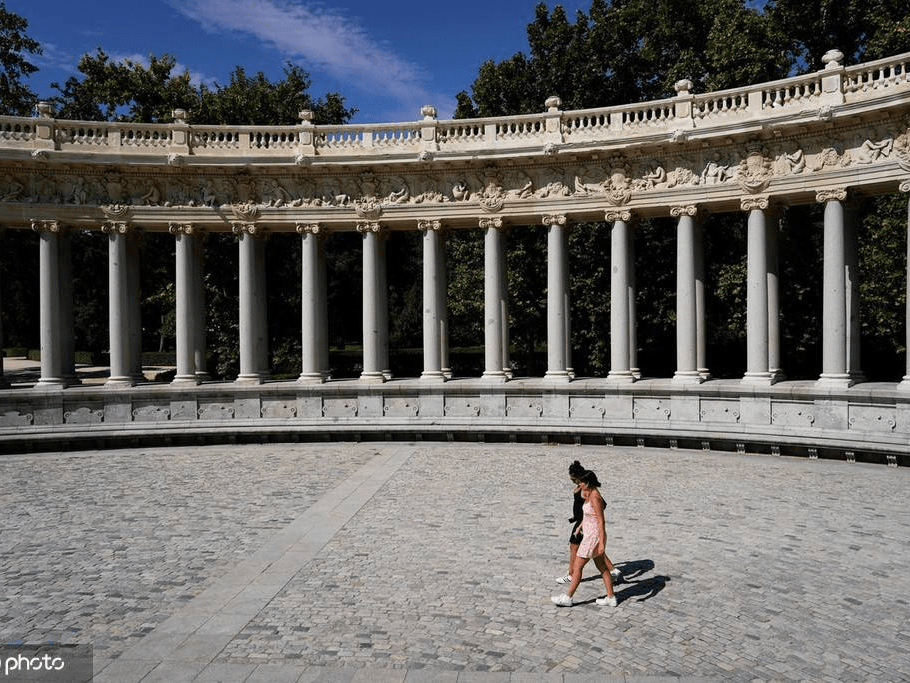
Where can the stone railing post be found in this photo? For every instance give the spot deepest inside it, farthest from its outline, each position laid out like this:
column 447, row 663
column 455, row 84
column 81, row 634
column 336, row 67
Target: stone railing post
column 553, row 121
column 832, row 78
column 428, row 141
column 306, row 143
column 45, row 127
column 682, row 104
column 180, row 138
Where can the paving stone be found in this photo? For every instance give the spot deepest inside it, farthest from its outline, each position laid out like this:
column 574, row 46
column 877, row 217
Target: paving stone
column 737, row 567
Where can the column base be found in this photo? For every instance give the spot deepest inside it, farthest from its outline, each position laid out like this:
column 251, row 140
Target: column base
column 494, row 376
column 50, row 384
column 705, row 374
column 835, row 380
column 372, row 377
column 250, row 379
column 687, row 377
column 557, row 376
column 185, row 379
column 388, row 375
column 636, row 372
column 447, row 373
column 620, row 376
column 904, row 384
column 311, row 378
column 203, row 377
column 759, row 378
column 122, row 382
column 432, row 376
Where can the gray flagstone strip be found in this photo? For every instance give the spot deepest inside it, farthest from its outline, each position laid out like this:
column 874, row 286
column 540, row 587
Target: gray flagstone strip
column 190, row 639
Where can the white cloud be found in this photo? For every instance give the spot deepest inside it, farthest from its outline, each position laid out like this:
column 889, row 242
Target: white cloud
column 323, row 37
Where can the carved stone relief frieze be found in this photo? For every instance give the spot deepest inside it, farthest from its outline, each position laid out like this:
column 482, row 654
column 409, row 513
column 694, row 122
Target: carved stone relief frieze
column 617, row 179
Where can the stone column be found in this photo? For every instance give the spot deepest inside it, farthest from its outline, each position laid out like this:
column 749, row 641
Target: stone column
column 186, row 303
column 66, row 330
column 432, row 315
column 49, row 296
column 834, row 296
column 4, row 383
column 494, row 269
column 372, row 300
column 119, row 314
column 323, row 313
column 253, row 321
column 757, row 349
column 557, row 298
column 620, row 322
column 774, row 365
column 905, row 382
column 686, row 312
column 701, row 316
column 310, row 305
column 633, row 308
column 199, row 335
column 442, row 307
column 134, row 303
column 383, row 308
column 851, row 292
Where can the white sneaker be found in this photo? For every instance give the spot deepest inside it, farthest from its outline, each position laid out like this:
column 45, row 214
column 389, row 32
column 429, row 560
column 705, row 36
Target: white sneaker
column 616, row 575
column 608, row 600
column 564, row 579
column 562, row 600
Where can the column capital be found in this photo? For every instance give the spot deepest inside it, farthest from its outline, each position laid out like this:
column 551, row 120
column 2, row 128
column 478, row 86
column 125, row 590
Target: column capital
column 243, row 228
column 613, row 215
column 838, row 194
column 905, row 186
column 752, row 203
column 39, row 225
column 368, row 226
column 181, row 228
column 115, row 227
column 424, row 224
column 683, row 210
column 308, row 228
column 494, row 222
column 554, row 219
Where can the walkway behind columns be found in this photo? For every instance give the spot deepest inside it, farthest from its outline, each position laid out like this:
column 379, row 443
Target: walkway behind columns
column 419, row 562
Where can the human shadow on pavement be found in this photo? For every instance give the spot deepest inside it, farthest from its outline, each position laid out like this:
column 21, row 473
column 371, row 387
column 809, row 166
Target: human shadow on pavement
column 631, row 586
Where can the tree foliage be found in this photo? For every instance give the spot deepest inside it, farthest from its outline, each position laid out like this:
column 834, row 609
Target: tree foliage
column 16, row 98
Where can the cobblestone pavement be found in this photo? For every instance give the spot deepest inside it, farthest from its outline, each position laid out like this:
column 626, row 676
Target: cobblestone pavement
column 738, row 567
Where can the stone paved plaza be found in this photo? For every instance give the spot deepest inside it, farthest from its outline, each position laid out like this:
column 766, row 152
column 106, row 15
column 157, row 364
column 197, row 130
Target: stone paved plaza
column 422, row 562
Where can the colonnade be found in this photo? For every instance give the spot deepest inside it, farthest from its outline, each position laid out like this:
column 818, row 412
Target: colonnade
column 840, row 342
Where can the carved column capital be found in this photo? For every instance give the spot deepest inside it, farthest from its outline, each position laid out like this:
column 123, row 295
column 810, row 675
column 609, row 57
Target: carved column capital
column 181, row 228
column 750, row 203
column 905, row 186
column 683, row 210
column 554, row 219
column 614, row 215
column 495, row 222
column 242, row 229
column 838, row 194
column 115, row 227
column 308, row 228
column 424, row 224
column 39, row 225
column 368, row 226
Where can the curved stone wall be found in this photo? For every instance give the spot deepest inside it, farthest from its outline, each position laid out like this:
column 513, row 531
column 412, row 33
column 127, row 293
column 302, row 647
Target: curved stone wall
column 830, row 137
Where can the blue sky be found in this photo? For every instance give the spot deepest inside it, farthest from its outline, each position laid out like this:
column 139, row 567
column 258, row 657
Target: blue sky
column 386, row 58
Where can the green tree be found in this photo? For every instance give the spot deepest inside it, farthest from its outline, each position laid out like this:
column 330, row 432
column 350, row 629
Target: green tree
column 125, row 90
column 16, row 98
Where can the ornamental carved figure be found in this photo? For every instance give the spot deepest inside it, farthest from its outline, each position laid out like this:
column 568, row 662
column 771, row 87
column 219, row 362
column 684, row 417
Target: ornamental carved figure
column 870, row 152
column 790, row 163
column 754, row 172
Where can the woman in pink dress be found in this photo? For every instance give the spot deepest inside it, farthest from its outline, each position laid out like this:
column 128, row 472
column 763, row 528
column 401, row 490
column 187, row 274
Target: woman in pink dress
column 592, row 544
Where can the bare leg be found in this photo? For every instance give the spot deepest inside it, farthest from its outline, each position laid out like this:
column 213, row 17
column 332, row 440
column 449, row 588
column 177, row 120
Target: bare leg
column 573, row 552
column 601, row 563
column 580, row 563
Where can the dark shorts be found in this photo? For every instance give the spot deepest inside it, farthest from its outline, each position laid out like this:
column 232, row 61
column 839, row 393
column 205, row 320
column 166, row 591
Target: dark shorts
column 576, row 535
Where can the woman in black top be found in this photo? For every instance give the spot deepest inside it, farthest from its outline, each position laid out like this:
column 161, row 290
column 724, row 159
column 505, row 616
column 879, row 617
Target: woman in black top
column 575, row 536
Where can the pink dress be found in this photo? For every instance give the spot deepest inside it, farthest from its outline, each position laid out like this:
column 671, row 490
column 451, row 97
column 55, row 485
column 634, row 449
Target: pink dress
column 592, row 532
